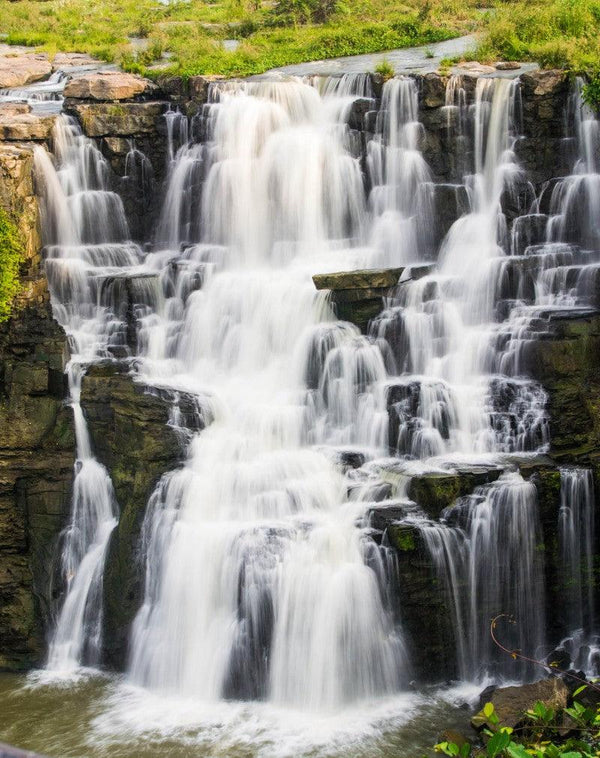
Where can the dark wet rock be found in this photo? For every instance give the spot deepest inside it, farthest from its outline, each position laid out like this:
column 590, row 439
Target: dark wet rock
column 511, row 703
column 36, row 467
column 357, row 296
column 434, row 492
column 353, row 280
column 564, row 359
column 131, row 435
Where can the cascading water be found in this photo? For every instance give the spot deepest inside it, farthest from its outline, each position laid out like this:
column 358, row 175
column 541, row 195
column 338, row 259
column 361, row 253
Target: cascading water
column 85, row 228
column 285, row 606
column 262, row 580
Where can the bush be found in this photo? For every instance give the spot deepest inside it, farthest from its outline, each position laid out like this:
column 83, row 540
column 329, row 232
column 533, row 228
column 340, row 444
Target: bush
column 11, row 256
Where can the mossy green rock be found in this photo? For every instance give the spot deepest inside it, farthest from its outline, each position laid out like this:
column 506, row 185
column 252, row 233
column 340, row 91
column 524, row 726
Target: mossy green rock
column 131, row 437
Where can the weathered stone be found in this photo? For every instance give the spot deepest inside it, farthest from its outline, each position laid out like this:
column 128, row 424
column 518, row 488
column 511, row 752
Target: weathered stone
column 433, row 91
column 353, row 280
column 25, row 126
column 543, row 82
column 199, row 87
column 474, row 68
column 118, row 119
column 131, row 436
column 507, row 66
column 73, row 60
column 108, row 85
column 21, row 69
column 511, row 703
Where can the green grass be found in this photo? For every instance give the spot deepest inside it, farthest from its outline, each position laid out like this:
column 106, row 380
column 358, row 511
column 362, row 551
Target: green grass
column 271, row 32
column 11, row 255
column 186, row 36
column 556, row 33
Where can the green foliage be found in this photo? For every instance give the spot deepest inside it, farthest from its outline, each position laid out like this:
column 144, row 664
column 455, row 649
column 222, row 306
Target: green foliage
column 385, row 69
column 555, row 33
column 287, row 12
column 272, row 32
column 591, row 90
column 11, row 255
column 544, row 734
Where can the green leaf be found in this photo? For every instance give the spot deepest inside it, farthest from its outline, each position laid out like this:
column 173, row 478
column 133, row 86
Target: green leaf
column 465, row 750
column 580, row 690
column 516, row 751
column 488, row 710
column 497, row 744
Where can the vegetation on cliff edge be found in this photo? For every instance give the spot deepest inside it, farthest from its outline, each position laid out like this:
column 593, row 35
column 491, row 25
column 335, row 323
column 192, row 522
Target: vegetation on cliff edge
column 11, row 255
column 187, row 36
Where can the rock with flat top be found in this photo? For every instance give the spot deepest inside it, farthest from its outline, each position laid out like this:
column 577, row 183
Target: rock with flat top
column 475, row 68
column 118, row 119
column 507, row 66
column 108, row 85
column 18, row 124
column 20, row 70
column 362, row 279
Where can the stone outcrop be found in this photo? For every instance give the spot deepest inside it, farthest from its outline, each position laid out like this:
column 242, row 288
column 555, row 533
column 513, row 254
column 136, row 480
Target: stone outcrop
column 357, row 296
column 108, row 86
column 118, row 119
column 564, row 358
column 131, row 435
column 17, row 123
column 19, row 69
column 36, row 433
column 36, row 468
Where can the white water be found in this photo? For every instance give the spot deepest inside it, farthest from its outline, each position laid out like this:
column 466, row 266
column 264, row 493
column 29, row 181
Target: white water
column 261, row 582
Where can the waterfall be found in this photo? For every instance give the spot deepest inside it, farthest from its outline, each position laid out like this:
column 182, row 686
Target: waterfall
column 258, row 583
column 263, row 576
column 485, row 553
column 84, row 230
column 576, row 539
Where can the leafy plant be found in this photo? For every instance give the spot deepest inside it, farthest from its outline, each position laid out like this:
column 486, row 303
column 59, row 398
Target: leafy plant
column 11, row 256
column 385, row 69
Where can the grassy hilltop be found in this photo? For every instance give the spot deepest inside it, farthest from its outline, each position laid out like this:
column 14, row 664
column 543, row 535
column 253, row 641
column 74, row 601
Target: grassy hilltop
column 186, row 36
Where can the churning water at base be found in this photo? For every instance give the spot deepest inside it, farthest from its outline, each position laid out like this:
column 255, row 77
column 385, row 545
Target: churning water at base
column 262, row 578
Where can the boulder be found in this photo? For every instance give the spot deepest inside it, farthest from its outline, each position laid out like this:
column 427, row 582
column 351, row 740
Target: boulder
column 20, row 70
column 507, row 66
column 511, row 703
column 108, row 85
column 118, row 119
column 544, row 83
column 18, row 125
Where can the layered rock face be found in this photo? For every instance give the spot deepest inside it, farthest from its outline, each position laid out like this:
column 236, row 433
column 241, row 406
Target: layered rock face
column 129, row 425
column 36, row 435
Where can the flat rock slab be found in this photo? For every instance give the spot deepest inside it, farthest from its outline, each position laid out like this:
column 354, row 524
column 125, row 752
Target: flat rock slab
column 74, row 60
column 18, row 124
column 118, row 119
column 361, row 280
column 108, row 85
column 19, row 70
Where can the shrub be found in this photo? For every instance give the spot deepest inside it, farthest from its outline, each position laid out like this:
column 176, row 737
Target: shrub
column 11, row 256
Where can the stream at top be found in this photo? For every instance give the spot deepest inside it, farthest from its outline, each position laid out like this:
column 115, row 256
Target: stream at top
column 268, row 624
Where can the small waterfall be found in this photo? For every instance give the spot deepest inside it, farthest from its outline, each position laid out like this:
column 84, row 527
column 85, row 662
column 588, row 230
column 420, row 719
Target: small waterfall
column 576, row 539
column 485, row 553
column 84, row 227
